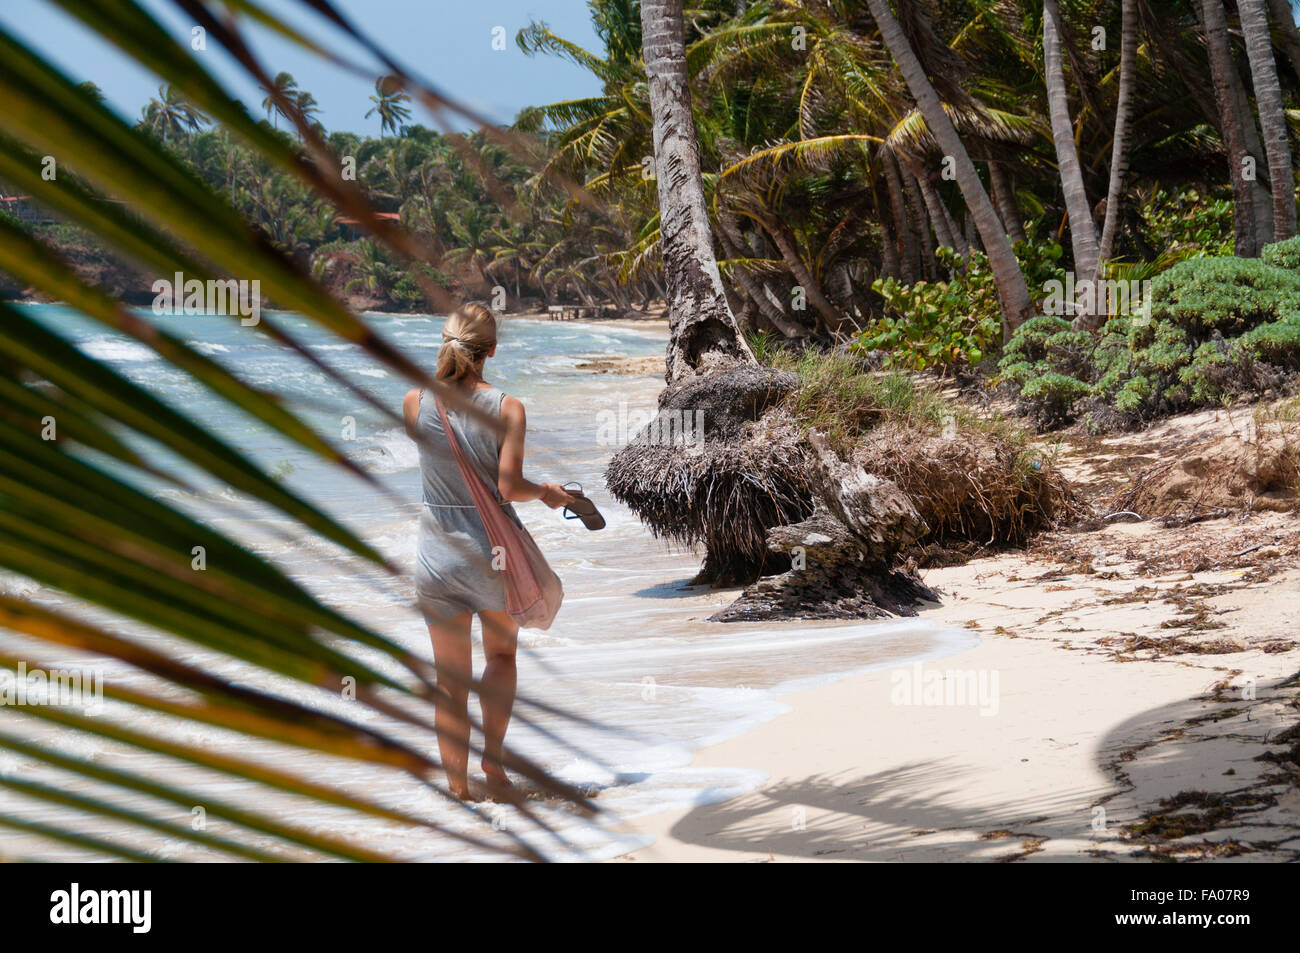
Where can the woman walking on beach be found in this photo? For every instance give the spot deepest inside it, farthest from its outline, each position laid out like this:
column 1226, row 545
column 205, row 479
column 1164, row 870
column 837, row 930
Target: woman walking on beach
column 455, row 574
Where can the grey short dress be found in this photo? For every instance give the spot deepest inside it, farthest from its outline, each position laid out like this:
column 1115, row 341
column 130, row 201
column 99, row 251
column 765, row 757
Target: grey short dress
column 453, row 570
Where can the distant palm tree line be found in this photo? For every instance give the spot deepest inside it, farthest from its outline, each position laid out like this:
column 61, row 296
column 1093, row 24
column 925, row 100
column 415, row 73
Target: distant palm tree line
column 840, row 143
column 491, row 218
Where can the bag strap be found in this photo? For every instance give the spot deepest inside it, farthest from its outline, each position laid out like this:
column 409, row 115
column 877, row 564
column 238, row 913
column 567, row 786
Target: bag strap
column 479, row 492
column 461, row 461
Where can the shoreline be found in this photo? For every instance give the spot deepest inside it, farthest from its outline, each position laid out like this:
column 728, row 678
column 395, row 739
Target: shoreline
column 1093, row 745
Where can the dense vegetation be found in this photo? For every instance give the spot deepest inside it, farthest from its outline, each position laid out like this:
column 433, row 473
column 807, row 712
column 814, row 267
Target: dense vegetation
column 1217, row 328
column 835, row 210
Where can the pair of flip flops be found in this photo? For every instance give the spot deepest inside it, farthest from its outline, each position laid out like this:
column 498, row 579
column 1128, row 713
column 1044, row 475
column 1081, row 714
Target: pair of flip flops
column 582, row 508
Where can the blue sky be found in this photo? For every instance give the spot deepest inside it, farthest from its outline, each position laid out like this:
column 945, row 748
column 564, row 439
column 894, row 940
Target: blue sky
column 448, row 42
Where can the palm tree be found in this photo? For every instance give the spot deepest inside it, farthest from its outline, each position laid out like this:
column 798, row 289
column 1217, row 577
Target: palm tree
column 1013, row 292
column 1231, row 120
column 308, row 108
column 1272, row 115
column 701, row 325
column 92, row 90
column 605, row 135
column 389, row 104
column 1283, row 14
column 168, row 116
column 284, row 88
column 1123, row 119
column 1083, row 230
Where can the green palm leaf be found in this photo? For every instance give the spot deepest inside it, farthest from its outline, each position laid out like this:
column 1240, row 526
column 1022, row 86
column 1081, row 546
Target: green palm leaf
column 89, row 532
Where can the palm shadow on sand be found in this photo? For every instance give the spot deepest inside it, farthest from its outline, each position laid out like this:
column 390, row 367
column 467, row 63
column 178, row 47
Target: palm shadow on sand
column 906, row 803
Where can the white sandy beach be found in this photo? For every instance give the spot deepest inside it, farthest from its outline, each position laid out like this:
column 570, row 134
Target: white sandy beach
column 1084, row 737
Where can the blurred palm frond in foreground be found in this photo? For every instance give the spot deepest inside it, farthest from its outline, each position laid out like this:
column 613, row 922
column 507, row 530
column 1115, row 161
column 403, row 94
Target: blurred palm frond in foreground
column 72, row 519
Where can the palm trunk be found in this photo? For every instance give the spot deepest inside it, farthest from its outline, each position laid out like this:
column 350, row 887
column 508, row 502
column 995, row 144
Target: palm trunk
column 1123, row 115
column 784, row 242
column 902, row 230
column 888, row 244
column 1260, row 194
column 1284, row 17
column 1004, row 197
column 1272, row 115
column 701, row 325
column 1215, row 26
column 944, row 231
column 752, row 290
column 920, row 224
column 1083, row 231
column 1013, row 293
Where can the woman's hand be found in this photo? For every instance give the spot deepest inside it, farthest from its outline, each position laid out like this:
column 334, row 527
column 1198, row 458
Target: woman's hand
column 555, row 496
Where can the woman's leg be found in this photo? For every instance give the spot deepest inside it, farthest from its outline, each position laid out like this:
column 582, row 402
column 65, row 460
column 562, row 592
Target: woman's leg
column 497, row 694
column 451, row 657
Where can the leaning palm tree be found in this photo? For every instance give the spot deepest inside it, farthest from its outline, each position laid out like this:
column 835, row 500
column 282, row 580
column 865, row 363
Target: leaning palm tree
column 1272, row 115
column 283, row 88
column 389, row 104
column 1232, row 121
column 167, row 116
column 1119, row 156
column 1083, row 230
column 702, row 328
column 1013, row 292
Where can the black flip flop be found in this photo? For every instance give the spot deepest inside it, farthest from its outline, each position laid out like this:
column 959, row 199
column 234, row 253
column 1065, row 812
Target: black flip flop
column 583, row 509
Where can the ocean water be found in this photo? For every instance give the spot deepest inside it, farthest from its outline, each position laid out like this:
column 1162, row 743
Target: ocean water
column 630, row 650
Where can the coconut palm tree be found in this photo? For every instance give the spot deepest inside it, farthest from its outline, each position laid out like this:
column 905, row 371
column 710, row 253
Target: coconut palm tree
column 1119, row 155
column 92, row 90
column 701, row 325
column 1083, row 230
column 308, row 108
column 389, row 105
column 284, row 88
column 167, row 115
column 1272, row 115
column 1013, row 292
column 1215, row 25
column 597, row 138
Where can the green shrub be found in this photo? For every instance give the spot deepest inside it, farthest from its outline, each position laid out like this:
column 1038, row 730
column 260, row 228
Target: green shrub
column 1050, row 397
column 1283, row 254
column 1133, row 394
column 1186, row 221
column 954, row 322
column 1276, row 343
column 1030, row 340
column 1217, row 328
column 1228, row 295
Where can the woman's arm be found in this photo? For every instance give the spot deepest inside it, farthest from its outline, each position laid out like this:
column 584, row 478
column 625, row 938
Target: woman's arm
column 411, row 412
column 510, row 465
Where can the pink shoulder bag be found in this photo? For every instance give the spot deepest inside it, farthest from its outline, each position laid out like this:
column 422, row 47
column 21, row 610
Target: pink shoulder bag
column 533, row 590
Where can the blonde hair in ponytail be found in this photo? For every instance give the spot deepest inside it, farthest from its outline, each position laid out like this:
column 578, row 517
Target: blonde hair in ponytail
column 467, row 337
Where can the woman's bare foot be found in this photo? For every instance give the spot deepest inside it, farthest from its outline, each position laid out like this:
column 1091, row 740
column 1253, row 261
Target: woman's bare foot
column 460, row 791
column 496, row 774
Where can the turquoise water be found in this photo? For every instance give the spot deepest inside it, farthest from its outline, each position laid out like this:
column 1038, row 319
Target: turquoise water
column 630, row 648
